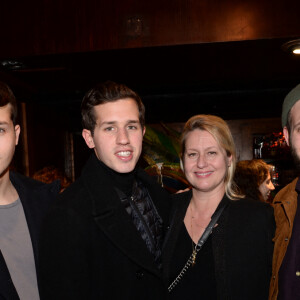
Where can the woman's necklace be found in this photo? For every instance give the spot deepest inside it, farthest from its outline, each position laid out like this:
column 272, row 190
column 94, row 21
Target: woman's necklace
column 198, row 225
column 194, row 248
column 194, row 254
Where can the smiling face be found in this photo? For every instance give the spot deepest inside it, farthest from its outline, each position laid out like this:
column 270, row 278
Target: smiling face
column 9, row 136
column 266, row 187
column 118, row 135
column 205, row 162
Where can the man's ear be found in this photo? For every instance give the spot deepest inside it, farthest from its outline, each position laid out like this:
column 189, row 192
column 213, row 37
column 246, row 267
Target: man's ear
column 286, row 135
column 144, row 130
column 89, row 140
column 17, row 132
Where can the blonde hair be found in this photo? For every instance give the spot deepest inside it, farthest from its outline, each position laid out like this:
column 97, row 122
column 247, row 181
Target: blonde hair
column 219, row 129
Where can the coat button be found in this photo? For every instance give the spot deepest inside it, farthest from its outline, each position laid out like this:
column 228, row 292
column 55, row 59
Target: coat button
column 298, row 273
column 139, row 274
column 286, row 239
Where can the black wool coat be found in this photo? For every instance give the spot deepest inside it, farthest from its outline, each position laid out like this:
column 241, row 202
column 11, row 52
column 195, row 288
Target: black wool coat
column 242, row 247
column 36, row 198
column 90, row 248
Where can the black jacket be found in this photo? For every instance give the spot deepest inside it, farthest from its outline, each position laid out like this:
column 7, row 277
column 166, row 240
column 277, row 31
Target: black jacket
column 91, row 249
column 242, row 246
column 35, row 197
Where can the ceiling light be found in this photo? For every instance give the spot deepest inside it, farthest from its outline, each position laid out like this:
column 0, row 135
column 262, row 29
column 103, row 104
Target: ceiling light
column 296, row 51
column 292, row 46
column 11, row 65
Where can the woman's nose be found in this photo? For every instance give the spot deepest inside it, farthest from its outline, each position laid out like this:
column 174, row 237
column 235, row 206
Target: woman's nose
column 271, row 186
column 201, row 162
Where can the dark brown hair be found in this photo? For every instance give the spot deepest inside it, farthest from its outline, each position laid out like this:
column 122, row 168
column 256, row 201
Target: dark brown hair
column 249, row 175
column 107, row 92
column 7, row 97
column 50, row 173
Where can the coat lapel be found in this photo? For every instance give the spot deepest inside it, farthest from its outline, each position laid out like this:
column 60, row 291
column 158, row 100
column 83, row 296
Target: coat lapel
column 111, row 217
column 219, row 251
column 160, row 197
column 35, row 198
column 178, row 211
column 30, row 208
column 7, row 288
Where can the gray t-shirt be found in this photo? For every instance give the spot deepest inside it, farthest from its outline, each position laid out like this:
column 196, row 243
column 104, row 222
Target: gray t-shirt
column 16, row 248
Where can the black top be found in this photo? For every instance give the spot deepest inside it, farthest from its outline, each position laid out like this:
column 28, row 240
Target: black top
column 90, row 249
column 241, row 250
column 200, row 278
column 123, row 181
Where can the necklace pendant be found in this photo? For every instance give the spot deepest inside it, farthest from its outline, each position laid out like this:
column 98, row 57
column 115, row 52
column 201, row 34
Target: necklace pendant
column 194, row 257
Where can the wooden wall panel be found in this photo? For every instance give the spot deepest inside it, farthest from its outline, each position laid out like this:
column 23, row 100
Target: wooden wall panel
column 243, row 132
column 44, row 27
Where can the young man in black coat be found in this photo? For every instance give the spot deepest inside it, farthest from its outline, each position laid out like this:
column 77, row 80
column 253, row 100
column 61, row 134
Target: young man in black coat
column 103, row 238
column 23, row 204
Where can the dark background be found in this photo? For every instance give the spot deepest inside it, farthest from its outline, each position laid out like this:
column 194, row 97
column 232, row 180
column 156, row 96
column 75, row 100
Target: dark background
column 183, row 57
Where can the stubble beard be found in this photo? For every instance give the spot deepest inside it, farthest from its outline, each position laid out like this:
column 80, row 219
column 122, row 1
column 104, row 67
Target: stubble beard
column 295, row 156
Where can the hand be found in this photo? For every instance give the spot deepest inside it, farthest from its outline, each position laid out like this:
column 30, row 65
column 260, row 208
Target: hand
column 182, row 191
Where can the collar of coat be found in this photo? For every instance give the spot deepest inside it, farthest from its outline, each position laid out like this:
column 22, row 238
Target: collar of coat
column 104, row 197
column 111, row 217
column 286, row 199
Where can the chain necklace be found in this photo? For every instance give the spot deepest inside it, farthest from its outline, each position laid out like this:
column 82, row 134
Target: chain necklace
column 194, row 248
column 193, row 218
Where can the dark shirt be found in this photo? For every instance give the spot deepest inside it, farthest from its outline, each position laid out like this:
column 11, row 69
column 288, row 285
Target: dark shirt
column 289, row 273
column 139, row 205
column 200, row 278
column 145, row 217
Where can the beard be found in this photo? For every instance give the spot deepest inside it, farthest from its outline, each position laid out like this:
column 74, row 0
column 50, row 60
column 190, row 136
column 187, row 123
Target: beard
column 295, row 156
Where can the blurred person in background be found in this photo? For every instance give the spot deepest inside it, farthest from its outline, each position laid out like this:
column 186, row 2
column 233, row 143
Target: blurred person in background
column 253, row 178
column 51, row 173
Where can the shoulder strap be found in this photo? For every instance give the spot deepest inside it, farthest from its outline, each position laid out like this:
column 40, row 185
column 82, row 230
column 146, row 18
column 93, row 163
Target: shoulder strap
column 200, row 243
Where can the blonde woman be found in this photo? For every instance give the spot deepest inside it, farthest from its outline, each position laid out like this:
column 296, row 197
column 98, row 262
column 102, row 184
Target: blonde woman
column 218, row 247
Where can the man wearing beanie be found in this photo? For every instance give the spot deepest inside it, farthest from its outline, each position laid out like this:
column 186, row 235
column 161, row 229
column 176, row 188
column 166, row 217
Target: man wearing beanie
column 285, row 282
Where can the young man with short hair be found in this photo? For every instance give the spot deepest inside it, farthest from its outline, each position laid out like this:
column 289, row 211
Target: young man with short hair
column 103, row 238
column 285, row 281
column 23, row 204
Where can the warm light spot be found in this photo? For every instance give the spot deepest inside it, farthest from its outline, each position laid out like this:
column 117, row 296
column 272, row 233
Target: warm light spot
column 296, row 51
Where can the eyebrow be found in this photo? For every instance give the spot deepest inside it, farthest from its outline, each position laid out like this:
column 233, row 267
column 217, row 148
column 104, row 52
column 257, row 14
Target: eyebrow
column 115, row 122
column 3, row 123
column 295, row 125
column 206, row 149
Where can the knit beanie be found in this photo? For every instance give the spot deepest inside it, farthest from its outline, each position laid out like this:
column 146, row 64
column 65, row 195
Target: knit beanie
column 291, row 98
